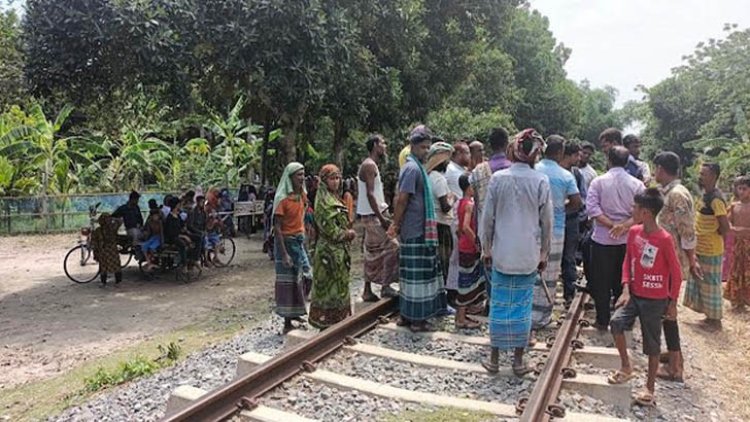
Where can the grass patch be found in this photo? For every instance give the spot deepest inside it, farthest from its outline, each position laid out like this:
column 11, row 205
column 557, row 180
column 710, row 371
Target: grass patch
column 134, row 368
column 445, row 414
column 42, row 399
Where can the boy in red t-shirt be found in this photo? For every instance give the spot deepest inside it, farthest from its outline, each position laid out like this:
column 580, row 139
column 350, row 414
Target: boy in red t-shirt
column 651, row 281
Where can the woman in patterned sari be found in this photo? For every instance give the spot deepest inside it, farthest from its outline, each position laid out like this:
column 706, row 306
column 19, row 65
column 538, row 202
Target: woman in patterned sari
column 330, row 301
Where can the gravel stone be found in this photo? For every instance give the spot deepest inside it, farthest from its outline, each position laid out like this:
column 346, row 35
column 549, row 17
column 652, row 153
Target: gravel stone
column 145, row 399
column 431, row 380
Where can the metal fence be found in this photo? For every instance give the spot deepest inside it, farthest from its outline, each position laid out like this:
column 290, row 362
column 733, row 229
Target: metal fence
column 62, row 213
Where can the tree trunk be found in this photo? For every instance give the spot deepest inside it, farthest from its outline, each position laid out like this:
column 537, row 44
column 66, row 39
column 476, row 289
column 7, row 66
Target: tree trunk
column 264, row 152
column 288, row 143
column 339, row 138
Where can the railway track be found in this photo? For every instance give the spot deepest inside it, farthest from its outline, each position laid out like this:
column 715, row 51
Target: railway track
column 258, row 375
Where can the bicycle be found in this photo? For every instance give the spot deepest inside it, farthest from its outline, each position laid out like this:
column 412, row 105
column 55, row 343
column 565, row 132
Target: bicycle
column 79, row 263
column 222, row 253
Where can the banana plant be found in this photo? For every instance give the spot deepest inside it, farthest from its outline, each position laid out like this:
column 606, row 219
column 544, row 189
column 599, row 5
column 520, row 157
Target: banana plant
column 236, row 146
column 39, row 143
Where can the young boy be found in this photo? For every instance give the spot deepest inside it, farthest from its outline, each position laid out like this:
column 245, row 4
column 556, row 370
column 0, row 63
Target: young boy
column 738, row 285
column 651, row 279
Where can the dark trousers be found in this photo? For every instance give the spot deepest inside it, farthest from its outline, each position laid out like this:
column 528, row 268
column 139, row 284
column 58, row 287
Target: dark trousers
column 606, row 278
column 569, row 270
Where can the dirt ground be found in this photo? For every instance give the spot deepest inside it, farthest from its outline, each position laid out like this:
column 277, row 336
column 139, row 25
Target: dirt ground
column 49, row 324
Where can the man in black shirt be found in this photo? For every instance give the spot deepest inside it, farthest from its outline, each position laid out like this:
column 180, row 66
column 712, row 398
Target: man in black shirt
column 131, row 215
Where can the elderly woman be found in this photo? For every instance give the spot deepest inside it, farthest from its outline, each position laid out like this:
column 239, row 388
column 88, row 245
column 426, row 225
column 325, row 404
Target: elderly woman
column 104, row 245
column 330, row 301
column 292, row 263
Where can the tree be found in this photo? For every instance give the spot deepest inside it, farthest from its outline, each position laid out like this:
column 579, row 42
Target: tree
column 12, row 84
column 548, row 102
column 598, row 111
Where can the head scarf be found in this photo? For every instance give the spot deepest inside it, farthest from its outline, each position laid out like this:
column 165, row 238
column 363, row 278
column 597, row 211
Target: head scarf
column 108, row 227
column 286, row 187
column 516, row 147
column 327, row 171
column 440, row 152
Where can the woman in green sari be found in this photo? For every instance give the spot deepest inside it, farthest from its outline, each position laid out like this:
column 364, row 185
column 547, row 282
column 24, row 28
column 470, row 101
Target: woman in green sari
column 330, row 301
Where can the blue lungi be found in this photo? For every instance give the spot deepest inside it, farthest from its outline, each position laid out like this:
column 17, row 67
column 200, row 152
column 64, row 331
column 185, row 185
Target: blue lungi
column 510, row 309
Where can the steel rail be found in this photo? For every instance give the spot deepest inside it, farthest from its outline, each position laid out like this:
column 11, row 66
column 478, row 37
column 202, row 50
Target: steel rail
column 243, row 392
column 541, row 403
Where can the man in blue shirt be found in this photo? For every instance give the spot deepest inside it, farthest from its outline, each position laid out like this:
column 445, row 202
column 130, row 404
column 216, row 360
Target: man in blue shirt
column 565, row 198
column 613, row 137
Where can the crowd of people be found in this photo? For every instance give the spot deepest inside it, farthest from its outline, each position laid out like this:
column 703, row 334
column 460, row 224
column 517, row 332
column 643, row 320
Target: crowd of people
column 469, row 235
column 192, row 224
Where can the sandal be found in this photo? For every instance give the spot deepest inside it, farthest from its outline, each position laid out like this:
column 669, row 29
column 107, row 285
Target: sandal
column 619, row 377
column 645, row 398
column 491, row 367
column 520, row 371
column 403, row 322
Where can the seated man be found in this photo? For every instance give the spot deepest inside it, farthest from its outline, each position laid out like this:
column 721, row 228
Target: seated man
column 196, row 223
column 130, row 214
column 175, row 235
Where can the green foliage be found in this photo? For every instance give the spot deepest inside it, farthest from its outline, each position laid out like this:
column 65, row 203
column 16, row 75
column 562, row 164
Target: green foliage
column 461, row 123
column 146, row 79
column 134, row 368
column 125, row 371
column 598, row 111
column 12, row 85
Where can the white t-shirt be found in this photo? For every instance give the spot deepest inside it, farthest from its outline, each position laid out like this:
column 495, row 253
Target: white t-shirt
column 440, row 189
column 452, row 174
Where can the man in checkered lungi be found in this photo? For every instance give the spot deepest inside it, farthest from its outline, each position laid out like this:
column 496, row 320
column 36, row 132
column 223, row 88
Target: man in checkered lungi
column 711, row 224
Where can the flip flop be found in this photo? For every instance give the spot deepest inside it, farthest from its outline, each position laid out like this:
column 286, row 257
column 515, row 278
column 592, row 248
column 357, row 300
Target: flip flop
column 491, row 368
column 520, row 371
column 619, row 377
column 645, row 398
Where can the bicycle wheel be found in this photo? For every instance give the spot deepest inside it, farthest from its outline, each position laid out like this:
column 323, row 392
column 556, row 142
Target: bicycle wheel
column 223, row 253
column 79, row 265
column 125, row 250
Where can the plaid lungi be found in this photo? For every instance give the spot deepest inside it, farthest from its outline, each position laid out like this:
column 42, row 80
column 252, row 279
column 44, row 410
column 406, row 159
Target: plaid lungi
column 704, row 296
column 381, row 253
column 542, row 310
column 471, row 279
column 510, row 310
column 422, row 294
column 290, row 299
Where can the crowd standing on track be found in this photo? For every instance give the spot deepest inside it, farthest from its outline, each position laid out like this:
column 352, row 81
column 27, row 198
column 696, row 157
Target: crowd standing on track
column 470, row 235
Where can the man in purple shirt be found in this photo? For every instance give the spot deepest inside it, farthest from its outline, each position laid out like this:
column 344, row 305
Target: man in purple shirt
column 610, row 204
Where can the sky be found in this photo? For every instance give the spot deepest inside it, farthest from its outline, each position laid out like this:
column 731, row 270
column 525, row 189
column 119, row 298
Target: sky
column 626, row 43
